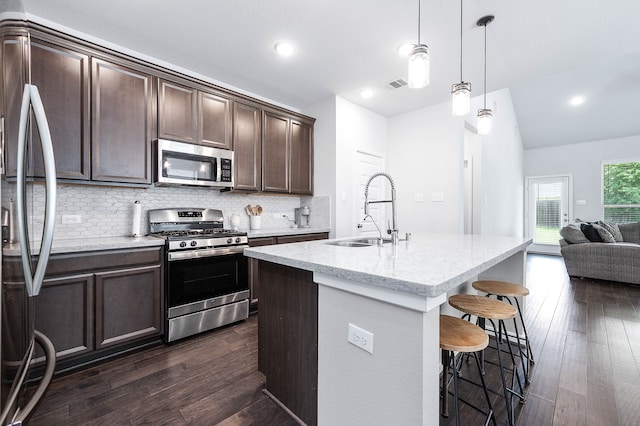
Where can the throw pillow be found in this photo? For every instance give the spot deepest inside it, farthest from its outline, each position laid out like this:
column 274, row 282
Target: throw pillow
column 604, row 234
column 613, row 228
column 573, row 235
column 590, row 232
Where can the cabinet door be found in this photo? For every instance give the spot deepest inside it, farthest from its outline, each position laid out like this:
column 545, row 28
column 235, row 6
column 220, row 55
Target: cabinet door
column 247, row 147
column 62, row 78
column 64, row 313
column 128, row 305
column 177, row 112
column 275, row 153
column 301, row 158
column 122, row 116
column 214, row 120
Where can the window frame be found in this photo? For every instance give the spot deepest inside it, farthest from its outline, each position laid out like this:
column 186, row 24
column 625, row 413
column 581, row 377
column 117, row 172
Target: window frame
column 603, row 163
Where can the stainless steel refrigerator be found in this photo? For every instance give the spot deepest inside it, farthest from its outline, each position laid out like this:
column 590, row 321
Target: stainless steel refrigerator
column 21, row 392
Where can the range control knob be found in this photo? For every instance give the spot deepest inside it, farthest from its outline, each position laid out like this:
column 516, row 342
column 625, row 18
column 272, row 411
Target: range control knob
column 194, row 243
column 229, row 240
column 238, row 240
column 183, row 244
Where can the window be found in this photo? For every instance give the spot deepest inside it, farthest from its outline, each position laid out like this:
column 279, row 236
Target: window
column 621, row 191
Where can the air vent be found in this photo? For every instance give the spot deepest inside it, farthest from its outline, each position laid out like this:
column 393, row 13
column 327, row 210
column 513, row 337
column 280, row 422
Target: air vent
column 395, row 84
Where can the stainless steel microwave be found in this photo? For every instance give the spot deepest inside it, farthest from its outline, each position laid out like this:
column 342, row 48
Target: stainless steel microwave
column 180, row 163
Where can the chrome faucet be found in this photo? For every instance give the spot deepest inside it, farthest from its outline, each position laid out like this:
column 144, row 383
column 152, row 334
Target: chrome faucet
column 380, row 240
column 393, row 231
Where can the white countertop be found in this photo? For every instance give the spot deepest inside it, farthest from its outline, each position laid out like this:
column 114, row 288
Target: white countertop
column 428, row 265
column 88, row 244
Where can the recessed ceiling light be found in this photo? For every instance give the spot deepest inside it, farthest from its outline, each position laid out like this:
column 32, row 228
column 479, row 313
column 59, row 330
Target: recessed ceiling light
column 284, row 48
column 577, row 100
column 404, row 49
column 367, row 93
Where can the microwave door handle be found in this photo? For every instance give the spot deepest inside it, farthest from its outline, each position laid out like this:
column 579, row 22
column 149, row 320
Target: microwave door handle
column 50, row 184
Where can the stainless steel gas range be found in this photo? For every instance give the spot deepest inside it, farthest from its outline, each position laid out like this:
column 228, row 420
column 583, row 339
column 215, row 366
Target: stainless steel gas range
column 207, row 282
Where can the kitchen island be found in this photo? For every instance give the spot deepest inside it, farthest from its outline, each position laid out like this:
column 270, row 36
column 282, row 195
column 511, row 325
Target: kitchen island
column 312, row 295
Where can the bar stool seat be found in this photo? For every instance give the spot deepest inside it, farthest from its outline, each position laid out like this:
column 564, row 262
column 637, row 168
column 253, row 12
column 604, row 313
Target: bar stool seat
column 458, row 335
column 483, row 307
column 501, row 288
column 493, row 310
column 506, row 290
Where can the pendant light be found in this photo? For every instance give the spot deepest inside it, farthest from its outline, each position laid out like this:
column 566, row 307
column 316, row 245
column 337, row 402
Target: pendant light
column 485, row 115
column 460, row 92
column 418, row 62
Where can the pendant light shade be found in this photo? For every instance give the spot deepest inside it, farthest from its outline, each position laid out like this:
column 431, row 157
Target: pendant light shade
column 485, row 121
column 485, row 115
column 419, row 74
column 419, row 67
column 461, row 98
column 461, row 92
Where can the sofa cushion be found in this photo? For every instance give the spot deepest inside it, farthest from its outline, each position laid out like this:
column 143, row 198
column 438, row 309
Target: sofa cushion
column 590, row 232
column 630, row 232
column 605, row 235
column 613, row 229
column 573, row 235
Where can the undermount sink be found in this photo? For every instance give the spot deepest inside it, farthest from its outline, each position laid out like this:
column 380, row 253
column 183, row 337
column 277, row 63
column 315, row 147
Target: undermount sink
column 358, row 242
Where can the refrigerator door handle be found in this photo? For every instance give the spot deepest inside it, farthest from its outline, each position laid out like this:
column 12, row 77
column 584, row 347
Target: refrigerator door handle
column 31, row 96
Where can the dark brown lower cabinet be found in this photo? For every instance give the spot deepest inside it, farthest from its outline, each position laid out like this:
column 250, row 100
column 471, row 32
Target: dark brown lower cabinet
column 92, row 305
column 288, row 338
column 64, row 313
column 128, row 305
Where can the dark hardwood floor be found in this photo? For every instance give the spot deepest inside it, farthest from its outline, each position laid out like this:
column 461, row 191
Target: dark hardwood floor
column 585, row 336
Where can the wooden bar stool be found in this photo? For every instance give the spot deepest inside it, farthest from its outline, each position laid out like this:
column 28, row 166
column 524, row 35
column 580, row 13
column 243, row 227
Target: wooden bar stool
column 458, row 335
column 508, row 291
column 492, row 310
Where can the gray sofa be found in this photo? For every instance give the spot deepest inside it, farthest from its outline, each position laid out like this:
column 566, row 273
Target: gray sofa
column 614, row 261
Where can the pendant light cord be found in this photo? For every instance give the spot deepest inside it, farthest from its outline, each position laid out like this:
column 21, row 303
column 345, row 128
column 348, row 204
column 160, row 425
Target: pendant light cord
column 485, row 65
column 419, row 1
column 461, row 41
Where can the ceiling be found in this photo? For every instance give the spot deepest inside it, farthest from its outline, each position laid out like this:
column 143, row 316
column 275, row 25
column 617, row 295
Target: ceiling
column 544, row 51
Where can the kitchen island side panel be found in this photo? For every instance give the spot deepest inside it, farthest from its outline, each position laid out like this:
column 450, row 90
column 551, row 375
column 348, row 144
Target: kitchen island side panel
column 288, row 337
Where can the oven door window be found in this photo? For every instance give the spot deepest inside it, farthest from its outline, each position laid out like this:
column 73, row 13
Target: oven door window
column 188, row 167
column 194, row 280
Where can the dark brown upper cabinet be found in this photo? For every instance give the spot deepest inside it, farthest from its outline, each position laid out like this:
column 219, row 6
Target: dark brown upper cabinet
column 122, row 123
column 247, row 147
column 301, row 158
column 191, row 115
column 62, row 78
column 287, row 154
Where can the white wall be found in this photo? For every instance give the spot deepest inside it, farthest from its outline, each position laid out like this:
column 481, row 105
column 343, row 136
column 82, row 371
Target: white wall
column 426, row 156
column 502, row 160
column 343, row 128
column 584, row 162
column 324, row 153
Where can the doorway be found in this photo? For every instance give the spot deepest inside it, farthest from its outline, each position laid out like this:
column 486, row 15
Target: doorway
column 547, row 211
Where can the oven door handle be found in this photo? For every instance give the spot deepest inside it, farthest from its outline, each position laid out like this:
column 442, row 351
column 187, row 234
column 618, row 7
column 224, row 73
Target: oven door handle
column 208, row 252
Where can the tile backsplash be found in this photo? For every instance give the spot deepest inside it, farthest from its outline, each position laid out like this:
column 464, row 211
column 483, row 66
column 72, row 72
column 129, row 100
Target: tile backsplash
column 108, row 211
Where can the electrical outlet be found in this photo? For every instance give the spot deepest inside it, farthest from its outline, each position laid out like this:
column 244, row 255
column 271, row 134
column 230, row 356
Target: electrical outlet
column 69, row 219
column 277, row 215
column 361, row 338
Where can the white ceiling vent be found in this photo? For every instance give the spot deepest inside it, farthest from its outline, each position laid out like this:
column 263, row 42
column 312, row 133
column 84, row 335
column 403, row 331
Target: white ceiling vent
column 395, row 84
